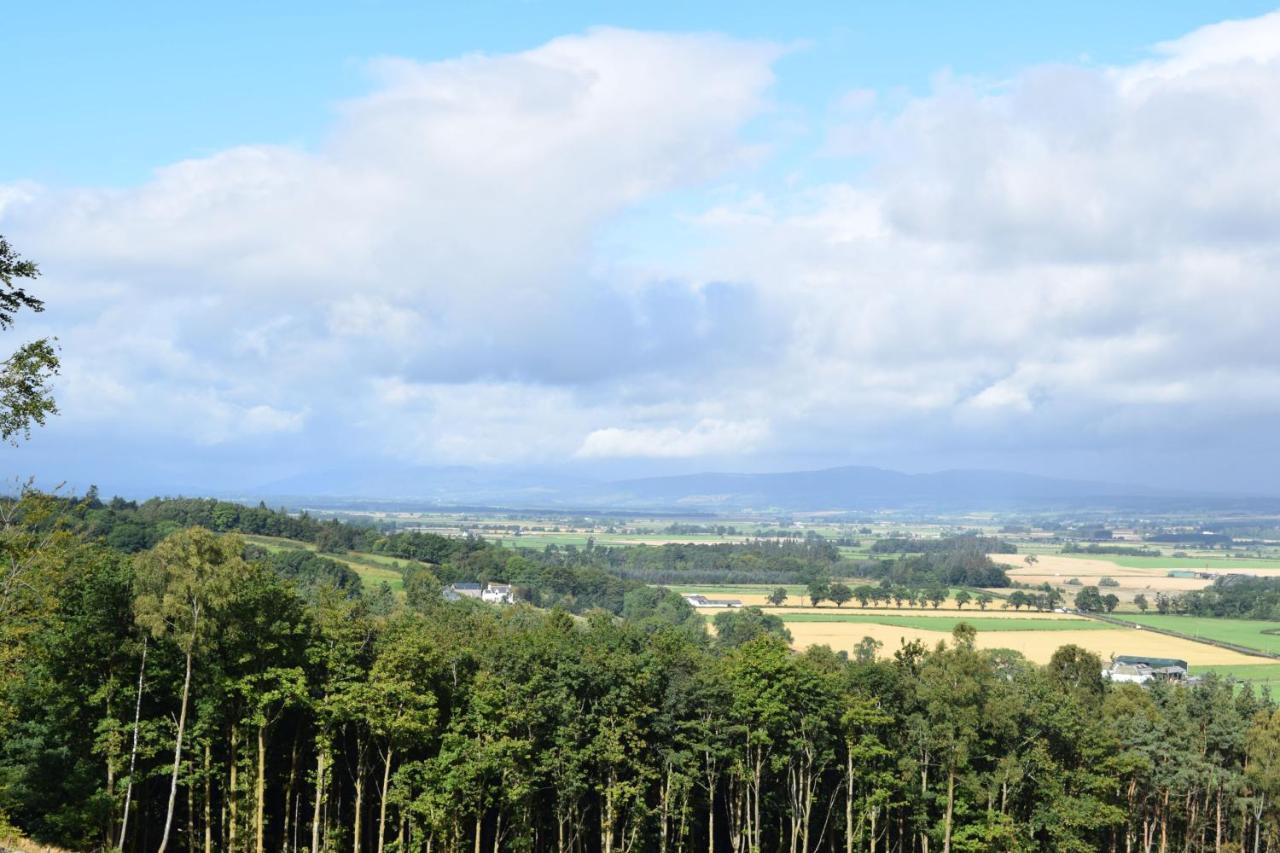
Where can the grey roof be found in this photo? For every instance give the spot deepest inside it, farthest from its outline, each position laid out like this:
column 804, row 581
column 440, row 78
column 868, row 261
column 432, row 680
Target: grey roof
column 1154, row 663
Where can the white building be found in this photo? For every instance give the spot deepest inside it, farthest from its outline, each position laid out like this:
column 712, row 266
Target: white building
column 703, row 601
column 498, row 593
column 493, row 593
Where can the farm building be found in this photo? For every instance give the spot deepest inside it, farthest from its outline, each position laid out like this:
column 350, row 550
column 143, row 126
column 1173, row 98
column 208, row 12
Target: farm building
column 498, row 593
column 494, row 593
column 1140, row 670
column 703, row 601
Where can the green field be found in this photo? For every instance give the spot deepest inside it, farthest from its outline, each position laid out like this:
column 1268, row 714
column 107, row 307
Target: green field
column 1181, row 562
column 948, row 623
column 1250, row 633
column 1261, row 674
column 373, row 569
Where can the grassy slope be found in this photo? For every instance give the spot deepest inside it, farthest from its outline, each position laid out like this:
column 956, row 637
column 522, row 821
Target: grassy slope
column 373, row 569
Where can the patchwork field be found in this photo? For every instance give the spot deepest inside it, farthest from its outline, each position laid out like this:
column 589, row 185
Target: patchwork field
column 1037, row 646
column 373, row 569
column 1251, row 633
column 1035, row 635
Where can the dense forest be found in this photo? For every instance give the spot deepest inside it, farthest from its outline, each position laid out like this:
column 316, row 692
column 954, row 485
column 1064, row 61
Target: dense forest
column 200, row 695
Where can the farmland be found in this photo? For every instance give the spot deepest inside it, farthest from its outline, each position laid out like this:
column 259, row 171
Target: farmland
column 1035, row 635
column 1251, row 633
column 373, row 569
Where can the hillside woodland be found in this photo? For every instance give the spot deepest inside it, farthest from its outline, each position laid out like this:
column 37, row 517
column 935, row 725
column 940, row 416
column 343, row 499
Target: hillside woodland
column 180, row 689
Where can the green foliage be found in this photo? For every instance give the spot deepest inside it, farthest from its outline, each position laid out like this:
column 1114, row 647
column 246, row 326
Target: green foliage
column 529, row 729
column 740, row 626
column 25, row 399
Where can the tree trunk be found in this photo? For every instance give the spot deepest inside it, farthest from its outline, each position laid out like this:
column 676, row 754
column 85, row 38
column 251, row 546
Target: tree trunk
column 133, row 752
column 848, row 803
column 382, row 806
column 315, row 816
column 356, row 819
column 951, row 801
column 177, row 753
column 290, row 801
column 479, row 828
column 260, row 793
column 208, row 801
column 191, row 814
column 233, row 794
column 1217, row 836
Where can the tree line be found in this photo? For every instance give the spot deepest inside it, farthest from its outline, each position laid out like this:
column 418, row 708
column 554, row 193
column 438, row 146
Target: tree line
column 1234, row 596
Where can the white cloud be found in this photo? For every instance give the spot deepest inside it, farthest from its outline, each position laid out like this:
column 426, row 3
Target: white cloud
column 1076, row 255
column 705, row 438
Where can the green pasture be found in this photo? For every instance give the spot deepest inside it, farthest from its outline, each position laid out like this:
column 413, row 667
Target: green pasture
column 1250, row 633
column 1259, row 674
column 373, row 569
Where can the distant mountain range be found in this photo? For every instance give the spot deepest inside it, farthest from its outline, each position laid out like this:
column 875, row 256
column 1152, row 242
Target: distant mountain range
column 846, row 488
column 866, row 488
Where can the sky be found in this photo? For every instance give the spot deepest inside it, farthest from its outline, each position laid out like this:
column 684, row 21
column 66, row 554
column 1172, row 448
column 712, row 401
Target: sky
column 607, row 239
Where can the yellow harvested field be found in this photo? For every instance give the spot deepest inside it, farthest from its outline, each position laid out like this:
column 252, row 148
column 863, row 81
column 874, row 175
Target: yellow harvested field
column 991, row 613
column 796, row 602
column 1036, row 646
column 1056, row 565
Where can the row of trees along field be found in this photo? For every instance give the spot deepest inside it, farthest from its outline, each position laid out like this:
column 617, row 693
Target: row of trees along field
column 186, row 698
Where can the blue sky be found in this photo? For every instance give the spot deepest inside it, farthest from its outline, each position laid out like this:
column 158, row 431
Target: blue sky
column 108, row 92
column 611, row 239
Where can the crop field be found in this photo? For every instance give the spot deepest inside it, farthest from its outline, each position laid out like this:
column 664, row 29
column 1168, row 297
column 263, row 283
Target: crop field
column 1250, row 633
column 1035, row 635
column 1037, row 646
column 949, row 622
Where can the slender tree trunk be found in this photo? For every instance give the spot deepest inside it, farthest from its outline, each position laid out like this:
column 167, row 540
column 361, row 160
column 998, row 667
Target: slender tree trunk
column 208, row 801
column 356, row 819
column 191, row 815
column 233, row 791
column 848, row 802
column 110, row 828
column 315, row 816
column 951, row 801
column 260, row 793
column 1217, row 836
column 479, row 828
column 133, row 752
column 382, row 805
column 290, row 801
column 177, row 752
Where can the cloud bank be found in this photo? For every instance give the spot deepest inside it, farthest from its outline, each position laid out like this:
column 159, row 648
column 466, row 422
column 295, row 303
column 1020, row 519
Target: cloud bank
column 1078, row 261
